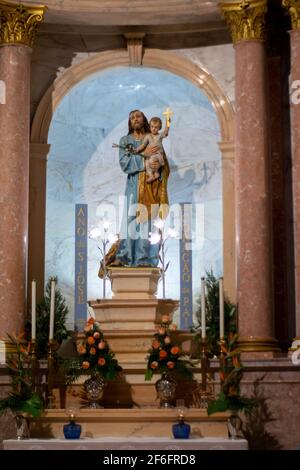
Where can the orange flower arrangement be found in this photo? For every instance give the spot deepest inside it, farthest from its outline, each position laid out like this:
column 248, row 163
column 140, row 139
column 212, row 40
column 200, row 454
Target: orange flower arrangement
column 94, row 355
column 164, row 354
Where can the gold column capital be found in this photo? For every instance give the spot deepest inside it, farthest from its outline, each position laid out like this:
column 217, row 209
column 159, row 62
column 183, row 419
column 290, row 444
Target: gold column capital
column 293, row 7
column 246, row 19
column 18, row 23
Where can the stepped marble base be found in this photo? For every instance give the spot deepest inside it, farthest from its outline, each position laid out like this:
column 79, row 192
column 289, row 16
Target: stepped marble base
column 145, row 422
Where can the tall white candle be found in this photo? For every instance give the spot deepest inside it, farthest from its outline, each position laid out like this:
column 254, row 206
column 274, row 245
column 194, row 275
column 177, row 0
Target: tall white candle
column 203, row 319
column 33, row 309
column 52, row 307
column 221, row 307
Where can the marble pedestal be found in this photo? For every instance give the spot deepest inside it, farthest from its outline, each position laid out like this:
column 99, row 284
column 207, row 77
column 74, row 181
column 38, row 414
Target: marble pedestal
column 129, row 321
column 130, row 318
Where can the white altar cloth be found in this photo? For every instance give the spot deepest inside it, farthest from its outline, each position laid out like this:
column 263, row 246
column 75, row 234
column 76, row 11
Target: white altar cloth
column 120, row 443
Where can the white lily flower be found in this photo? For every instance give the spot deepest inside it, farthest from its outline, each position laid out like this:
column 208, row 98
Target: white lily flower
column 106, row 224
column 112, row 238
column 95, row 232
column 154, row 238
column 159, row 223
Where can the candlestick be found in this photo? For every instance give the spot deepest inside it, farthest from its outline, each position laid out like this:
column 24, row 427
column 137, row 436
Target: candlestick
column 52, row 307
column 203, row 364
column 34, row 363
column 50, row 396
column 33, row 310
column 221, row 307
column 203, row 319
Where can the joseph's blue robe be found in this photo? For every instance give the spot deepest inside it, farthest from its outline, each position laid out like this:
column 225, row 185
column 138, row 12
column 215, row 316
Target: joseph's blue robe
column 135, row 248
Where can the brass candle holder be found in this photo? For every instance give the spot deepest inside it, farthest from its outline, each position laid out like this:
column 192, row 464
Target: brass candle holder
column 203, row 393
column 50, row 396
column 204, row 363
column 222, row 353
column 33, row 363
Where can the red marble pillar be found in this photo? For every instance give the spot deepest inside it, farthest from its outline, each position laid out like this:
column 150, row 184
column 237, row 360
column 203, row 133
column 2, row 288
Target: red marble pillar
column 252, row 179
column 14, row 183
column 17, row 30
column 295, row 124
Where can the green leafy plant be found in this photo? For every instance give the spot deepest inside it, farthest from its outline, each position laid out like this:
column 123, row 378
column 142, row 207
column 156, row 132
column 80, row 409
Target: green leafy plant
column 212, row 316
column 165, row 354
column 94, row 356
column 43, row 320
column 22, row 398
column 256, row 427
column 231, row 371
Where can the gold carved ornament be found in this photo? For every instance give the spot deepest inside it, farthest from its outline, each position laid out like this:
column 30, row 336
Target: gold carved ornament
column 293, row 7
column 18, row 24
column 246, row 19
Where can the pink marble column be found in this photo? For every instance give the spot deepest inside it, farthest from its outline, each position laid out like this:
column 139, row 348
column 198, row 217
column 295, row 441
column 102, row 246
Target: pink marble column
column 18, row 27
column 14, row 184
column 295, row 123
column 252, row 178
column 254, row 241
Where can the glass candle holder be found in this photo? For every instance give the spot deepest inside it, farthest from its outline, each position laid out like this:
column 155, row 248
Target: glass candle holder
column 72, row 430
column 181, row 430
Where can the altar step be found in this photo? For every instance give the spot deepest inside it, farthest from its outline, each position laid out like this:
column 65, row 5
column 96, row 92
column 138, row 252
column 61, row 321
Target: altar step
column 129, row 390
column 143, row 422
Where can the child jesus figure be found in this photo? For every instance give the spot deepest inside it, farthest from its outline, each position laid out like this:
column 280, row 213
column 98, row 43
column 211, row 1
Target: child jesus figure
column 154, row 139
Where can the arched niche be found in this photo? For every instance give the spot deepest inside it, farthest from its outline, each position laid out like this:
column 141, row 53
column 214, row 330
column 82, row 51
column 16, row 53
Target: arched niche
column 169, row 61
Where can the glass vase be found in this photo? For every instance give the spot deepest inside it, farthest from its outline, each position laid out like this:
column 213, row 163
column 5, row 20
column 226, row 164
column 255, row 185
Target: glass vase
column 234, row 425
column 22, row 427
column 166, row 389
column 94, row 389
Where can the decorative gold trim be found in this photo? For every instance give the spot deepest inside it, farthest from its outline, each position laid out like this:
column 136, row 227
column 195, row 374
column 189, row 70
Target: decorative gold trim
column 258, row 345
column 18, row 23
column 293, row 7
column 246, row 19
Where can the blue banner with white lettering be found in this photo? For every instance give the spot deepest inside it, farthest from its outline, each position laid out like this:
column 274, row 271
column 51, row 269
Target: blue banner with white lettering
column 81, row 215
column 186, row 268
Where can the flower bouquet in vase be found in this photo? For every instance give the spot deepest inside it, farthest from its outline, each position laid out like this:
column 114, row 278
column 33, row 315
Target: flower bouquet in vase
column 95, row 359
column 165, row 357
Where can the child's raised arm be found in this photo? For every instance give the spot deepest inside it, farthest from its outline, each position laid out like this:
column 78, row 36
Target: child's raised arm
column 165, row 132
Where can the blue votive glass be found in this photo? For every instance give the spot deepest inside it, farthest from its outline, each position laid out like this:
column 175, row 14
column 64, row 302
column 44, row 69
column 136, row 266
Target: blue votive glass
column 72, row 430
column 181, row 430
